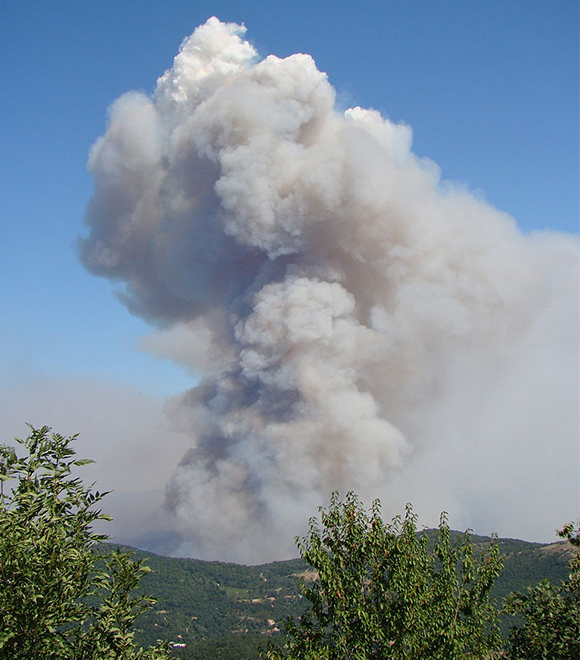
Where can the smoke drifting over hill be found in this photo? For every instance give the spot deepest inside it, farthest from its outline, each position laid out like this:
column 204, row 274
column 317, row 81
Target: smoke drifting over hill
column 349, row 312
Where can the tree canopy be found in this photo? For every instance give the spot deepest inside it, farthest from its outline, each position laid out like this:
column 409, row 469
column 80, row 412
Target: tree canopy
column 375, row 590
column 551, row 613
column 389, row 591
column 60, row 597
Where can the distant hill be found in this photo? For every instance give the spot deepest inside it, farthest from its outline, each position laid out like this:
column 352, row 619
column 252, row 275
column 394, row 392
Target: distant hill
column 222, row 610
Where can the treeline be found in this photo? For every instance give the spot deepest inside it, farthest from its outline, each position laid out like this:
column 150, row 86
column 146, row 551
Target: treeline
column 363, row 588
column 222, row 596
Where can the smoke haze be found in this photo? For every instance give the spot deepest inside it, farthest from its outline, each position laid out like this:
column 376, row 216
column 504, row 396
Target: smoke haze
column 358, row 323
column 124, row 431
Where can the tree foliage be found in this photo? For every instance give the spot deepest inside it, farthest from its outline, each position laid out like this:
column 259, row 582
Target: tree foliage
column 387, row 591
column 59, row 597
column 376, row 590
column 551, row 614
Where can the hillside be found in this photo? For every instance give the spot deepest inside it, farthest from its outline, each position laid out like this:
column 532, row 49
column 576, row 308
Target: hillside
column 222, row 610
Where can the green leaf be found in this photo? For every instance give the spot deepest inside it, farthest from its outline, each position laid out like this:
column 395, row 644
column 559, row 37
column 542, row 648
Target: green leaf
column 83, row 461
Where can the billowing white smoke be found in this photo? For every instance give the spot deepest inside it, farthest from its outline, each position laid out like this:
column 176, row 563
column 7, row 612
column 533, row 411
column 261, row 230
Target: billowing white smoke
column 346, row 308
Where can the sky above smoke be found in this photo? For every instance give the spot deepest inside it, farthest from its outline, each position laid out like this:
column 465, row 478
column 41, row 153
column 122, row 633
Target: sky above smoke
column 359, row 324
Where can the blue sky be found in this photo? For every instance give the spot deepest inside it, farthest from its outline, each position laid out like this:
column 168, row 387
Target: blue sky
column 489, row 88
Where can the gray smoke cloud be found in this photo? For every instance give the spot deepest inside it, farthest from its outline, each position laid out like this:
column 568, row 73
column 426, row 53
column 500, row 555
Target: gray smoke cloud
column 359, row 324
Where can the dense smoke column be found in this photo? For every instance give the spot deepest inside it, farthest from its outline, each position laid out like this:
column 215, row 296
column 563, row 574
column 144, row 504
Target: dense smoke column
column 339, row 301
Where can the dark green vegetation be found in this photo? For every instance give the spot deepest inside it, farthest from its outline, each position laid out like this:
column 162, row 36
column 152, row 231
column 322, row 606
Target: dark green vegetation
column 386, row 591
column 550, row 612
column 233, row 604
column 202, row 600
column 391, row 591
column 363, row 589
column 58, row 598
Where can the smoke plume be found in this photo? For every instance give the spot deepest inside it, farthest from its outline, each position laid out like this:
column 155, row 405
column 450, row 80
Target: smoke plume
column 349, row 312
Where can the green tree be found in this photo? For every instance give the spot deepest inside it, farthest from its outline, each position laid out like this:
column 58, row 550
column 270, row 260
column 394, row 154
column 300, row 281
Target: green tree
column 60, row 597
column 387, row 591
column 551, row 614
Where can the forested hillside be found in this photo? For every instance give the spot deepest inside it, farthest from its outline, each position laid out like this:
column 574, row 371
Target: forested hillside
column 222, row 611
column 362, row 583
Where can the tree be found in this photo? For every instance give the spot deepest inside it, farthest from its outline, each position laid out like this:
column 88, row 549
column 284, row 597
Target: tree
column 387, row 591
column 59, row 596
column 551, row 614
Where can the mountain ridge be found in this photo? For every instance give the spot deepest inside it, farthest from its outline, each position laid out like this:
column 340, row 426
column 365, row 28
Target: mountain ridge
column 222, row 609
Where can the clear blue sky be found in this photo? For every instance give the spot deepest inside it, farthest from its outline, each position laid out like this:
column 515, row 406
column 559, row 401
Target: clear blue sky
column 489, row 87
